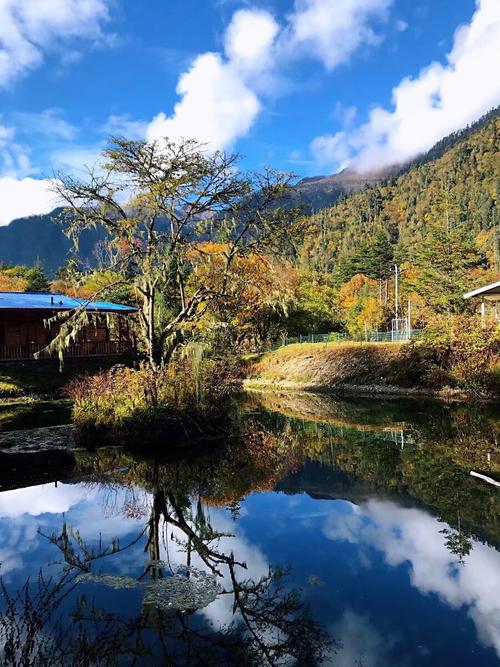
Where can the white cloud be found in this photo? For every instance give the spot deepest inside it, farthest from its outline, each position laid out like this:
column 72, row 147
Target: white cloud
column 332, row 150
column 248, row 40
column 29, row 28
column 14, row 158
column 123, row 125
column 49, row 123
column 216, row 106
column 440, row 100
column 333, row 31
column 25, row 196
column 361, row 643
column 75, row 159
column 21, row 192
column 221, row 92
column 44, row 499
column 217, row 103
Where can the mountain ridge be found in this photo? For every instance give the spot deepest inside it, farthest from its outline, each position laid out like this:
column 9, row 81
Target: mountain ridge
column 43, row 238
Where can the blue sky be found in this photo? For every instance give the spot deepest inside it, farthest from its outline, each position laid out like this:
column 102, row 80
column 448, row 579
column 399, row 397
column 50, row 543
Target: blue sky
column 308, row 86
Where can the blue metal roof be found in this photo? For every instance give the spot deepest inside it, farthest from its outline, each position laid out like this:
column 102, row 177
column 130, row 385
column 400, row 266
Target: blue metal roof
column 47, row 301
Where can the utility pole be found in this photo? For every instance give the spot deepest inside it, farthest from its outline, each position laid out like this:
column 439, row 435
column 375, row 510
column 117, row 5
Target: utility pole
column 396, row 295
column 409, row 320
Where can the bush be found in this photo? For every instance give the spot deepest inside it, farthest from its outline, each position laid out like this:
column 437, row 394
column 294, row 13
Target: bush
column 459, row 351
column 127, row 397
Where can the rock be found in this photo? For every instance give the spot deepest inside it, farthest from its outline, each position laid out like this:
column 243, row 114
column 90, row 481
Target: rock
column 38, row 440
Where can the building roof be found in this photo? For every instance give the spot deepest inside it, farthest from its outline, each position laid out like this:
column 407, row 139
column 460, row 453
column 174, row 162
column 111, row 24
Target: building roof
column 47, row 301
column 493, row 289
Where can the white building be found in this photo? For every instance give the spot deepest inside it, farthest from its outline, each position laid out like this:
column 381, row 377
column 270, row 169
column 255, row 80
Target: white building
column 487, row 299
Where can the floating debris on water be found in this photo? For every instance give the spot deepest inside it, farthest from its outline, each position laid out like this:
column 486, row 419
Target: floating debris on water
column 188, row 588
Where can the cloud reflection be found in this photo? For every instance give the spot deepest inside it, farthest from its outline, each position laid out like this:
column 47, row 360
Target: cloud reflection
column 415, row 537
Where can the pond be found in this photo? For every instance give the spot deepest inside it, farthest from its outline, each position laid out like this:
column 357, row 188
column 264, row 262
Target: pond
column 320, row 531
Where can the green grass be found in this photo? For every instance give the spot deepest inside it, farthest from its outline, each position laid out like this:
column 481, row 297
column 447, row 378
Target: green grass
column 44, row 378
column 33, row 414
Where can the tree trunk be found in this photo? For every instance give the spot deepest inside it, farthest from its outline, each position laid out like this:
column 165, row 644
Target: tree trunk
column 153, row 345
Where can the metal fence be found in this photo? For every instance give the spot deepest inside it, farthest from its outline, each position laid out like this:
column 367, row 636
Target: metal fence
column 335, row 337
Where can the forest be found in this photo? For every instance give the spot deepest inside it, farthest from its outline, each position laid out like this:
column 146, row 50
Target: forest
column 238, row 268
column 438, row 221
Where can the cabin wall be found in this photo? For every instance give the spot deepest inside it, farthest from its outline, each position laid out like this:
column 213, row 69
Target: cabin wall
column 22, row 330
column 22, row 334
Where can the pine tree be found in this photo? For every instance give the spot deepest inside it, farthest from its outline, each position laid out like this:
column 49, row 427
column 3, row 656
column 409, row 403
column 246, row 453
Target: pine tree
column 442, row 261
column 373, row 258
column 37, row 280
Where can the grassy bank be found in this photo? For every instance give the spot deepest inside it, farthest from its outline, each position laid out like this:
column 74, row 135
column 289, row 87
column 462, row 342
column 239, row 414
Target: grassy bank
column 371, row 368
column 33, row 394
column 320, row 366
column 23, row 382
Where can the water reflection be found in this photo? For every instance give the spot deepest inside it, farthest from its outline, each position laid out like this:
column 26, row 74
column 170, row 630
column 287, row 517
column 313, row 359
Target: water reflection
column 183, row 567
column 412, row 537
column 324, row 532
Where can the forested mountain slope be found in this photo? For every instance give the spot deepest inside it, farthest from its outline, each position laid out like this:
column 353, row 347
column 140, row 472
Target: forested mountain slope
column 451, row 190
column 457, row 192
column 323, row 191
column 40, row 238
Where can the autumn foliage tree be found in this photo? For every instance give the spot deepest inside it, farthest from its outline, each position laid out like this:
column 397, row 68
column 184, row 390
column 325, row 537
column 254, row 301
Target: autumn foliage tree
column 362, row 310
column 261, row 289
column 157, row 202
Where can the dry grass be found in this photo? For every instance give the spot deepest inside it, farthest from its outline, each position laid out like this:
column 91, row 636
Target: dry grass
column 330, row 364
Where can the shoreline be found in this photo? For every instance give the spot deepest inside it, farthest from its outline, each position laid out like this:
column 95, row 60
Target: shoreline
column 362, row 391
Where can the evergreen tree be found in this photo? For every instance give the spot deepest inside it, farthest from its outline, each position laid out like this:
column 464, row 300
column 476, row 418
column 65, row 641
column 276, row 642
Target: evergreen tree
column 442, row 261
column 374, row 257
column 37, row 280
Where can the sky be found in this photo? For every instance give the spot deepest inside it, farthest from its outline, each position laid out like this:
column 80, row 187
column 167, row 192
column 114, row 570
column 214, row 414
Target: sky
column 307, row 86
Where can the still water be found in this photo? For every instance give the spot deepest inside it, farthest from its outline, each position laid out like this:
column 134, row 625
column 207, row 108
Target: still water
column 325, row 532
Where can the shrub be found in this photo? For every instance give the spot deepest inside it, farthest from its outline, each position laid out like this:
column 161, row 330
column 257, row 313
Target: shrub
column 9, row 390
column 459, row 351
column 123, row 397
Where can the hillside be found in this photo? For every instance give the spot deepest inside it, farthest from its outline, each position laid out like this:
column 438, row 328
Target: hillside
column 318, row 192
column 41, row 238
column 457, row 190
column 321, row 192
column 457, row 181
column 49, row 245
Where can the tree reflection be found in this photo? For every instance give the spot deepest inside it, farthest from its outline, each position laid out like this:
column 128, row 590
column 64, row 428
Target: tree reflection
column 270, row 622
column 457, row 542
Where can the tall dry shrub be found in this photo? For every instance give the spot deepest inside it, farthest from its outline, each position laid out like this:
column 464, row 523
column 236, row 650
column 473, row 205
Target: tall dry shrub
column 460, row 351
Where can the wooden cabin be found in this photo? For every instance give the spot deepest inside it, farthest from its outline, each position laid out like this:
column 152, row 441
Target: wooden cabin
column 24, row 330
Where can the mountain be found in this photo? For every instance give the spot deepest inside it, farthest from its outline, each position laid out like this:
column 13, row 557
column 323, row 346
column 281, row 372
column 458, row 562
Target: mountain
column 454, row 185
column 318, row 192
column 41, row 238
column 459, row 168
column 321, row 192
